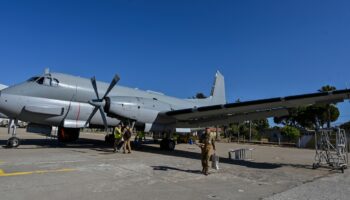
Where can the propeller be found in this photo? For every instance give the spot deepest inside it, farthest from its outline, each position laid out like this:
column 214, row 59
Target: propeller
column 100, row 102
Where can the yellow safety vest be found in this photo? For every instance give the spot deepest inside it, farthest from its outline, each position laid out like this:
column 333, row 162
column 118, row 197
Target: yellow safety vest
column 117, row 133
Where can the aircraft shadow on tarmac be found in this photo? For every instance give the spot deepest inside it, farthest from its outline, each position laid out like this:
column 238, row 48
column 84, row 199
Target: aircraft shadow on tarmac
column 82, row 143
column 197, row 156
column 103, row 148
column 167, row 168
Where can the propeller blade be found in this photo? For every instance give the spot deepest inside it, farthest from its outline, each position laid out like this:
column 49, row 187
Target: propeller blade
column 94, row 85
column 103, row 118
column 91, row 116
column 111, row 86
column 98, row 103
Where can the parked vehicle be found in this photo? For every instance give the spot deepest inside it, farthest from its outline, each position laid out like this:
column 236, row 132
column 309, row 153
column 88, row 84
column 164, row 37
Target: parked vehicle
column 4, row 122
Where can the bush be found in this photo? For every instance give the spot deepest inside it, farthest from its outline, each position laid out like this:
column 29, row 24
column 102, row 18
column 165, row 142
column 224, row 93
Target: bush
column 290, row 132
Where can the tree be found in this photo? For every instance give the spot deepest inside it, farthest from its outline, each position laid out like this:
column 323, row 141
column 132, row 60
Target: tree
column 312, row 117
column 329, row 112
column 290, row 132
column 327, row 88
column 245, row 128
column 318, row 115
column 346, row 126
column 261, row 124
column 289, row 120
column 200, row 95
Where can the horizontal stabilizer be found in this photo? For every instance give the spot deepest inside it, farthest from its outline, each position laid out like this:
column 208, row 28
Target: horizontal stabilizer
column 2, row 86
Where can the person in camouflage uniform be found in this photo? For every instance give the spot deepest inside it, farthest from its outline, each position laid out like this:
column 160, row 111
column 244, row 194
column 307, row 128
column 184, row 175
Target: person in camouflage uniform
column 208, row 143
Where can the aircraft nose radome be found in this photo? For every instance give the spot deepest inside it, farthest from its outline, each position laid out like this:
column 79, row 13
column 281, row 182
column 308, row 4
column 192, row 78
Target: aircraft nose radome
column 1, row 100
column 4, row 107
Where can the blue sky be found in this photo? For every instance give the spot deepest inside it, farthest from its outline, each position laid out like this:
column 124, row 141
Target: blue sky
column 264, row 48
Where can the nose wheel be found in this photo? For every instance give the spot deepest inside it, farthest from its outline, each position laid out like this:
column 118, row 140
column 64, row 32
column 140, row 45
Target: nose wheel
column 14, row 141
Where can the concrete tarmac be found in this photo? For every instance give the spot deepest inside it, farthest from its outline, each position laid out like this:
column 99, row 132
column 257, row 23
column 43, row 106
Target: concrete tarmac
column 41, row 168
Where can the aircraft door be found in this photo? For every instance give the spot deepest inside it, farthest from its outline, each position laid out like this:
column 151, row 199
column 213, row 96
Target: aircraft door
column 75, row 110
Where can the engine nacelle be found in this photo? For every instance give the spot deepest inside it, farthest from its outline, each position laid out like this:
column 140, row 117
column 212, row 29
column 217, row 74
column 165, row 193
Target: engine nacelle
column 142, row 110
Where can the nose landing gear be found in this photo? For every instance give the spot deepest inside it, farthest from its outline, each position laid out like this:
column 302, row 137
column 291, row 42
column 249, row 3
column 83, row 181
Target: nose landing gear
column 14, row 141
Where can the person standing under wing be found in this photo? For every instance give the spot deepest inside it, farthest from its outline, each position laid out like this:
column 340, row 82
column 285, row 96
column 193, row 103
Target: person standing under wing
column 117, row 138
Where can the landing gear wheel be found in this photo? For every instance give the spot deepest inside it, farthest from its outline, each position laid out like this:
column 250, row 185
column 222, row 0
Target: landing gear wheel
column 167, row 144
column 13, row 142
column 342, row 169
column 109, row 139
column 315, row 166
column 171, row 145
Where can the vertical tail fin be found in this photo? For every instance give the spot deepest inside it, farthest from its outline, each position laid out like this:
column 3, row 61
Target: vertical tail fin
column 218, row 93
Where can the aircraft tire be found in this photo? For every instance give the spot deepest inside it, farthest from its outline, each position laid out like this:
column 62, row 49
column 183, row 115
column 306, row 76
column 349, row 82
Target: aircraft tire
column 109, row 139
column 13, row 142
column 171, row 145
column 167, row 144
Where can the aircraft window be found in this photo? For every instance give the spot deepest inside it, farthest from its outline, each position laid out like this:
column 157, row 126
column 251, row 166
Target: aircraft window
column 54, row 82
column 33, row 79
column 47, row 81
column 40, row 81
column 44, row 81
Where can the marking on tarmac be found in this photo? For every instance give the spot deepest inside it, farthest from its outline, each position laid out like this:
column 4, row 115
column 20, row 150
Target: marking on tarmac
column 3, row 174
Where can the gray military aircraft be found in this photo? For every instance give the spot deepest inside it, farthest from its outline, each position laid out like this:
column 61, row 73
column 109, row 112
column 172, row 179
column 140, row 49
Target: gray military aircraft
column 1, row 88
column 72, row 103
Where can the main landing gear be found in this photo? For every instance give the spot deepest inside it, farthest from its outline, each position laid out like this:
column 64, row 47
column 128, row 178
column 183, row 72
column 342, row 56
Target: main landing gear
column 167, row 144
column 66, row 135
column 13, row 141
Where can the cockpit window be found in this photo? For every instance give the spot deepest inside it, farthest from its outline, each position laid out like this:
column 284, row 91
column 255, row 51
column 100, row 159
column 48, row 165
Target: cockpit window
column 33, row 79
column 48, row 81
column 54, row 82
column 40, row 80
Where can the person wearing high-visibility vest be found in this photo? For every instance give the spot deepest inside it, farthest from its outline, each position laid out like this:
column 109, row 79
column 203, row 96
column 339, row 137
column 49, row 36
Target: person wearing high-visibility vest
column 117, row 137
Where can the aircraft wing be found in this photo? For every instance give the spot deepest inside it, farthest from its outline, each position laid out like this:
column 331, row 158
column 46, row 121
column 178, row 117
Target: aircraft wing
column 250, row 110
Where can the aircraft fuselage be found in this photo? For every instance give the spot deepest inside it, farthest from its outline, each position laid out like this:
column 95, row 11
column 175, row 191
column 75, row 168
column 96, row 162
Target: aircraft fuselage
column 63, row 100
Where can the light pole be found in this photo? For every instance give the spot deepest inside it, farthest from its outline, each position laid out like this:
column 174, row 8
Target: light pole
column 250, row 131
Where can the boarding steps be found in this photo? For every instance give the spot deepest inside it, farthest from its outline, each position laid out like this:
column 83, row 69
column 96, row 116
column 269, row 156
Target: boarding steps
column 331, row 149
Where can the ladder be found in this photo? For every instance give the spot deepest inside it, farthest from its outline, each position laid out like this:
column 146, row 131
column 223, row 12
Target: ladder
column 331, row 149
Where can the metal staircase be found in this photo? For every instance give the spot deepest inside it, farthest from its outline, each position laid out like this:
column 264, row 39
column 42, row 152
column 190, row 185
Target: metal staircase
column 331, row 149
